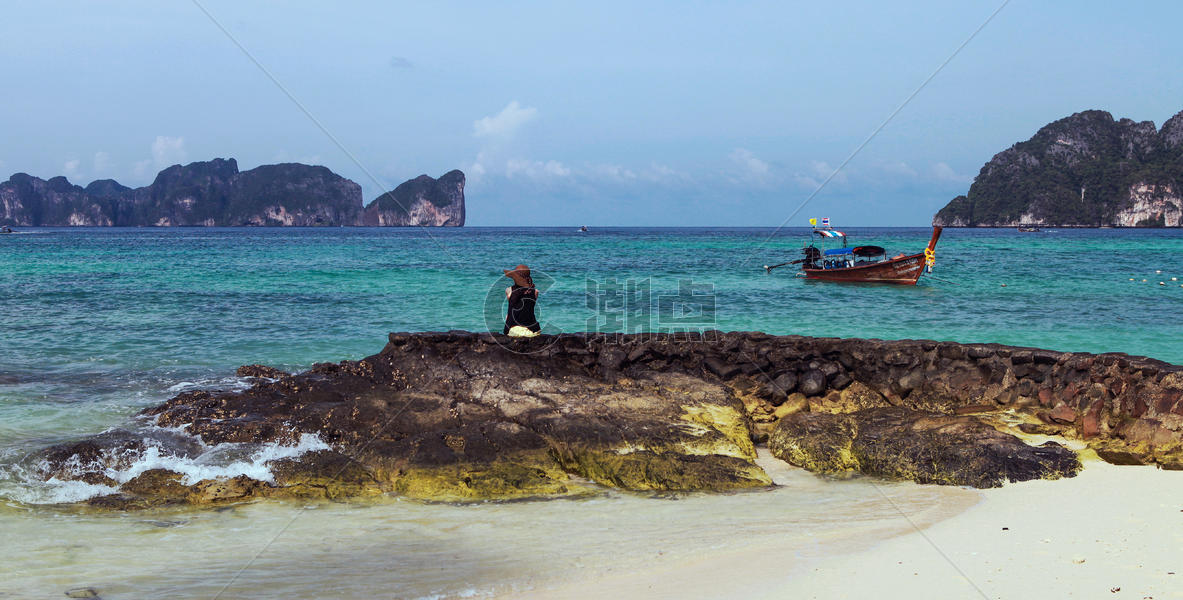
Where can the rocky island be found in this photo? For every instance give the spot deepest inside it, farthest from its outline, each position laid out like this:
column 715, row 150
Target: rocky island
column 1086, row 170
column 461, row 416
column 216, row 194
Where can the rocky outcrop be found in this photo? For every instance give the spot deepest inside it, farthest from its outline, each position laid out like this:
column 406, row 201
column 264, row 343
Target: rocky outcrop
column 1086, row 170
column 465, row 416
column 216, row 193
column 926, row 447
column 420, row 201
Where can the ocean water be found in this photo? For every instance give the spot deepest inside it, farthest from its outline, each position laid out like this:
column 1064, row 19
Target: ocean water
column 96, row 324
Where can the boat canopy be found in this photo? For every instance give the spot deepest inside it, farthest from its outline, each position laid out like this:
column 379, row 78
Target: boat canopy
column 869, row 250
column 837, row 251
column 830, row 233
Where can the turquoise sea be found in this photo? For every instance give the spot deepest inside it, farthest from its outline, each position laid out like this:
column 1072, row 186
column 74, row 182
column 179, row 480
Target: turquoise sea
column 96, row 324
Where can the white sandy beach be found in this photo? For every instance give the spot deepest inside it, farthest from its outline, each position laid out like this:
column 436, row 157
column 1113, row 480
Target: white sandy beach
column 1111, row 532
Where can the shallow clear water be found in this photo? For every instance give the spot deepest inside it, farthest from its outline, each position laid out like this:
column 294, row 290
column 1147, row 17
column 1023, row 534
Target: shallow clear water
column 96, row 324
column 400, row 549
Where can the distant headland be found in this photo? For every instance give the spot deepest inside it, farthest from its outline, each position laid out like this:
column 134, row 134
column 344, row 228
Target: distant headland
column 1086, row 170
column 216, row 194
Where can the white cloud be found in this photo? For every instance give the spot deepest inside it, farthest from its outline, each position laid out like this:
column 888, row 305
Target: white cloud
column 505, row 123
column 70, row 169
column 818, row 174
column 477, row 169
column 943, row 172
column 822, row 170
column 752, row 166
column 662, row 171
column 807, row 182
column 898, row 167
column 535, row 169
column 168, row 151
column 503, row 154
column 102, row 163
column 496, row 155
column 609, row 172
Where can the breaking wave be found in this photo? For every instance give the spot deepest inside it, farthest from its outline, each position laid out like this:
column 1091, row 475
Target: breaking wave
column 164, row 449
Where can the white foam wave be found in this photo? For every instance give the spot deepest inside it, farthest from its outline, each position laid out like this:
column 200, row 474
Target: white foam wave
column 56, row 491
column 465, row 593
column 222, row 383
column 211, row 462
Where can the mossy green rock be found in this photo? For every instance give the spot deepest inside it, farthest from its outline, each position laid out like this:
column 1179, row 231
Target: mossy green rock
column 900, row 443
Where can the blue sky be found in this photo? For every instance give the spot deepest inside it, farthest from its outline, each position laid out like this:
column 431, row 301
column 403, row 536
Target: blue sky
column 605, row 113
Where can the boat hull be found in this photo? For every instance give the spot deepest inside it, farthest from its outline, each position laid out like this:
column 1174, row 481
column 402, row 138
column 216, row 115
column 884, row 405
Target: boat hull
column 905, row 270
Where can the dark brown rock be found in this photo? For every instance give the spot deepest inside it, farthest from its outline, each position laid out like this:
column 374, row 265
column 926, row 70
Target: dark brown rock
column 721, row 367
column 924, row 447
column 159, row 483
column 777, row 390
column 1062, row 413
column 260, row 371
column 812, row 382
column 461, row 416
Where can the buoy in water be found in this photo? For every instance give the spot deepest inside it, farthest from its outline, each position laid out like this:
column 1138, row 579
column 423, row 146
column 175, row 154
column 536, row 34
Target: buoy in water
column 1004, row 285
column 1174, row 279
column 1131, row 278
column 1143, row 281
column 1161, row 283
column 1157, row 272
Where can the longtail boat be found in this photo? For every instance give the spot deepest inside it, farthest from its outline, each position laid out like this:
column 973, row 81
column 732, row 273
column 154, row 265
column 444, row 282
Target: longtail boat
column 859, row 263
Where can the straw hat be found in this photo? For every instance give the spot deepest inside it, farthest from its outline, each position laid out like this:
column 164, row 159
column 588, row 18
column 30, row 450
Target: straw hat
column 520, row 275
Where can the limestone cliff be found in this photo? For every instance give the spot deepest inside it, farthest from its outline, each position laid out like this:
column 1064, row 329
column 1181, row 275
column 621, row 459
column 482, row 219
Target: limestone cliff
column 28, row 200
column 1086, row 170
column 420, row 201
column 215, row 193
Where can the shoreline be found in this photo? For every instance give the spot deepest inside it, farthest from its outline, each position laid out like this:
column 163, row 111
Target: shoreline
column 727, row 573
column 1111, row 531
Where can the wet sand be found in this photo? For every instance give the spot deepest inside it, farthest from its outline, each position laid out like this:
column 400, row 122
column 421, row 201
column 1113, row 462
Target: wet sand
column 615, row 544
column 1111, row 532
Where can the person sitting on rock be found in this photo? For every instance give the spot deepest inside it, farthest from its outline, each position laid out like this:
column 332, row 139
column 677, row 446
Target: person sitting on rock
column 520, row 320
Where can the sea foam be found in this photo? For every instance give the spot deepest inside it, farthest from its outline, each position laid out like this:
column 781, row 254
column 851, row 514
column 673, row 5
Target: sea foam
column 209, row 462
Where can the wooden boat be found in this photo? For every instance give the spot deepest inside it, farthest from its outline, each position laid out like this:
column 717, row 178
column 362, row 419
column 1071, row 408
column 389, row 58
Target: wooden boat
column 868, row 264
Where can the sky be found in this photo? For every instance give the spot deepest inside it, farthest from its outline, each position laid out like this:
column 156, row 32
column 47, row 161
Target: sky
column 605, row 113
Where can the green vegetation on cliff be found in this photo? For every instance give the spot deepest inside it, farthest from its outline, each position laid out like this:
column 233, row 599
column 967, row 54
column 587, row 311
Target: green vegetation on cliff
column 1085, row 170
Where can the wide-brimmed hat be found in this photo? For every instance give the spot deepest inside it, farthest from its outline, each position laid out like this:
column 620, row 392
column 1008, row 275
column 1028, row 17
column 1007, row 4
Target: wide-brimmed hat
column 520, row 275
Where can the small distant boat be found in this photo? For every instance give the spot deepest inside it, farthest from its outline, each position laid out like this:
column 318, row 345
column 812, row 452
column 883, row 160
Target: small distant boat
column 1029, row 230
column 583, row 228
column 868, row 264
column 6, row 229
